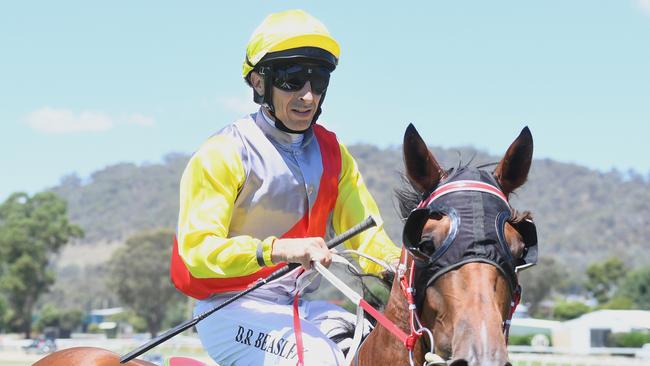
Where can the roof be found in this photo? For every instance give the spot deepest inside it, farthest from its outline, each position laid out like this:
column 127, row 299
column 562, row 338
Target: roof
column 535, row 323
column 106, row 312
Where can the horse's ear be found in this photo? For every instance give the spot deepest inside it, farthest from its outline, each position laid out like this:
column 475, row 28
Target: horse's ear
column 512, row 170
column 421, row 167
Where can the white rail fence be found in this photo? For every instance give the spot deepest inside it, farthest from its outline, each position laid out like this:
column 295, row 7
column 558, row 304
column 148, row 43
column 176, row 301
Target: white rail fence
column 549, row 356
column 529, row 359
column 519, row 355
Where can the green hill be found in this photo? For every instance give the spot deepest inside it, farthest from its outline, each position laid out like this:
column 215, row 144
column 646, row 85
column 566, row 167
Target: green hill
column 582, row 215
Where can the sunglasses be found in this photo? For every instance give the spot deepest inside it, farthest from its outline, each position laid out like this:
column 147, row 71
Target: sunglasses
column 293, row 77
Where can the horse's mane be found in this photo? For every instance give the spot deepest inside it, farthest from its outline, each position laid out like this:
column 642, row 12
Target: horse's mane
column 385, row 280
column 346, row 329
column 409, row 196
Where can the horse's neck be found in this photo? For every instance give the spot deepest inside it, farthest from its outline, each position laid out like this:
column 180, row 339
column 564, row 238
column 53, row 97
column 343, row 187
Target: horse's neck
column 382, row 347
column 397, row 308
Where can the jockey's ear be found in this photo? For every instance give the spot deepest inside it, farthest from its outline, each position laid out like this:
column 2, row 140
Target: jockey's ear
column 257, row 82
column 421, row 166
column 512, row 170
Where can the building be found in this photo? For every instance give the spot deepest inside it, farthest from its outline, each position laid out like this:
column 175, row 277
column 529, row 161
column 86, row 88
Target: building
column 583, row 334
column 102, row 319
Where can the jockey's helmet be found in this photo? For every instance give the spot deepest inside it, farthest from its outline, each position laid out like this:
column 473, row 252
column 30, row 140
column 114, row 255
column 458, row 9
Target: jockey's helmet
column 282, row 41
column 290, row 35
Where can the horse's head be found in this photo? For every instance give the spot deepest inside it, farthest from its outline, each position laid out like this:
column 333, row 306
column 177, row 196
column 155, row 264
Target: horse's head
column 467, row 243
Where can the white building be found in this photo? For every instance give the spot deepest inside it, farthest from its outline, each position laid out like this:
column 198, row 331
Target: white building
column 591, row 330
column 525, row 326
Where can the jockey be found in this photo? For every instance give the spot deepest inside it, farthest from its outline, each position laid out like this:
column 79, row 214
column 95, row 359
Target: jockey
column 266, row 190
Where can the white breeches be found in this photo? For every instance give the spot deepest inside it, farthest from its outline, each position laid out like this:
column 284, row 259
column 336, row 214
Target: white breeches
column 253, row 331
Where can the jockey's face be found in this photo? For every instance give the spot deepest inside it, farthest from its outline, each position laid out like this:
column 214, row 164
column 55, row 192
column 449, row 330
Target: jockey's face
column 296, row 109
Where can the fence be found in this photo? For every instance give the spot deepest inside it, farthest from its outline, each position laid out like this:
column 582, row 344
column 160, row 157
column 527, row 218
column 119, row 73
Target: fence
column 529, row 359
column 550, row 356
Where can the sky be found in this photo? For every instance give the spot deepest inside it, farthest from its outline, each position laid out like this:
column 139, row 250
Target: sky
column 84, row 85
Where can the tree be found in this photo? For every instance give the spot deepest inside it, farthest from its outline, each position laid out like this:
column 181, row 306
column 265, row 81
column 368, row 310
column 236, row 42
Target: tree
column 3, row 313
column 603, row 278
column 32, row 230
column 618, row 302
column 139, row 274
column 65, row 320
column 538, row 282
column 636, row 286
column 567, row 310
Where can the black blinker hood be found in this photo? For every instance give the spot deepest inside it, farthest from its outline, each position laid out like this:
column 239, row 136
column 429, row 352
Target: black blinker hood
column 476, row 233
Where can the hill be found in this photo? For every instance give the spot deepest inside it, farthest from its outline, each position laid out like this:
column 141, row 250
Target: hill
column 582, row 215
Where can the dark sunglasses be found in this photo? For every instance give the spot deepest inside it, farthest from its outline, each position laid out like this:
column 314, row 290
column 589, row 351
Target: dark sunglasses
column 293, row 77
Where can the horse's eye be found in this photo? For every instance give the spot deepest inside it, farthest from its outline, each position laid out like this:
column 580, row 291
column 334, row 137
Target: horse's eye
column 427, row 245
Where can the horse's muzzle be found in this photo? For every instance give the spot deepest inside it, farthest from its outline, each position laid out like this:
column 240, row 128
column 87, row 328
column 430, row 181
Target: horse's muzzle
column 461, row 362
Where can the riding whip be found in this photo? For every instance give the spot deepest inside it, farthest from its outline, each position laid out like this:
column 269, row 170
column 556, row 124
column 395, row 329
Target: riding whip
column 355, row 230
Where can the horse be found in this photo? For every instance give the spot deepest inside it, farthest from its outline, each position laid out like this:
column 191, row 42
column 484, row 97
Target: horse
column 93, row 356
column 463, row 243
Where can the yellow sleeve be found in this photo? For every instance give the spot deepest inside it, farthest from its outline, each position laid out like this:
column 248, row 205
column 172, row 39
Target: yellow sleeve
column 353, row 205
column 208, row 189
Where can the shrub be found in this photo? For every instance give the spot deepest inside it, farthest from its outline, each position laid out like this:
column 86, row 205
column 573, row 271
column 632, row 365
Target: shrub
column 566, row 310
column 630, row 340
column 65, row 320
column 520, row 340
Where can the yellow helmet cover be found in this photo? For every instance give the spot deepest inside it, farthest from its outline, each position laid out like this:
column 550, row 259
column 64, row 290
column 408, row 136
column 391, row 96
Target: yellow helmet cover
column 287, row 30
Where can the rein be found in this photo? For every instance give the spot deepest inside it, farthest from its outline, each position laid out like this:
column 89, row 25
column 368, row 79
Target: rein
column 417, row 330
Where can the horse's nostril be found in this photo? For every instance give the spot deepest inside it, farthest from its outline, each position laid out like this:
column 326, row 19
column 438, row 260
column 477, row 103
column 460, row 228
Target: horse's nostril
column 508, row 364
column 459, row 362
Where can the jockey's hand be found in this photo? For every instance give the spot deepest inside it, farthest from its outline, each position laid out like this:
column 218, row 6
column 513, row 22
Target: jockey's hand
column 394, row 263
column 302, row 251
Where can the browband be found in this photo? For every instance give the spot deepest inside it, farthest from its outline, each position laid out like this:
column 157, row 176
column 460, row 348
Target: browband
column 464, row 185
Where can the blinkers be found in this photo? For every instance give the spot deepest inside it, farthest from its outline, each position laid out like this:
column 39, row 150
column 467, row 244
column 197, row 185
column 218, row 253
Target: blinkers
column 478, row 211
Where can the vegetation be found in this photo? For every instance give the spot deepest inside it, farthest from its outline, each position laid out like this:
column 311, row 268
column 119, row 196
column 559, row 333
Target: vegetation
column 636, row 287
column 539, row 282
column 583, row 217
column 520, row 340
column 618, row 302
column 32, row 230
column 3, row 313
column 84, row 288
column 632, row 339
column 567, row 310
column 603, row 278
column 65, row 320
column 123, row 199
column 139, row 275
